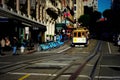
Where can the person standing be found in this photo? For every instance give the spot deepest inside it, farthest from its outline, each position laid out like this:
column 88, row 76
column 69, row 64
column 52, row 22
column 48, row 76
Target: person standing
column 47, row 38
column 118, row 41
column 7, row 44
column 0, row 47
column 14, row 45
column 39, row 39
column 2, row 44
column 55, row 38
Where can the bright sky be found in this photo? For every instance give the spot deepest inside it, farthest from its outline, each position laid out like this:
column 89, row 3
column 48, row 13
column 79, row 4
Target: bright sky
column 104, row 4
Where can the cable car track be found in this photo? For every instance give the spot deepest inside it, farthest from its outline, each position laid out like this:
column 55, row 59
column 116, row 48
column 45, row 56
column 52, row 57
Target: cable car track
column 60, row 72
column 77, row 71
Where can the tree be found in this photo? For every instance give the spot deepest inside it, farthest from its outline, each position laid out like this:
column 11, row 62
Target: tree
column 52, row 13
column 96, row 15
column 107, row 13
column 85, row 20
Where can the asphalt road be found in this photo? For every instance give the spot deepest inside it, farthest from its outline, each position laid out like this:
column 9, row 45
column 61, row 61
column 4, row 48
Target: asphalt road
column 64, row 61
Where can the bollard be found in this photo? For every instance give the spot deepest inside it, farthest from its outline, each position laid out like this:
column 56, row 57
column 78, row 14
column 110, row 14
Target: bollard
column 22, row 49
column 38, row 49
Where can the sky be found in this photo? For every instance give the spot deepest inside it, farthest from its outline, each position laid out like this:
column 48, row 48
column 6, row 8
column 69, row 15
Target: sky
column 103, row 5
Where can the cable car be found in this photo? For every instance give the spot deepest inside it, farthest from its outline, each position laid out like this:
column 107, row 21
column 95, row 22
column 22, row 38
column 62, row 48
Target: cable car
column 80, row 36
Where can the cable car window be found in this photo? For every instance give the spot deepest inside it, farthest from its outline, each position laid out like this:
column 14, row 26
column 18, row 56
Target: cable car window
column 75, row 34
column 83, row 34
column 79, row 34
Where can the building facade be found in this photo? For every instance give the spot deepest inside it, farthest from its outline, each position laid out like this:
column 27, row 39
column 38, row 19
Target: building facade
column 91, row 3
column 78, row 10
column 39, row 17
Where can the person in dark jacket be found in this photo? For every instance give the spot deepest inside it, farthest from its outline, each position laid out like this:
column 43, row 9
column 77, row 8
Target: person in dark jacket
column 14, row 45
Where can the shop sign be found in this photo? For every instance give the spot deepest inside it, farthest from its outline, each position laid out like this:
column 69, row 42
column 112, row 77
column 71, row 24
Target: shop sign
column 35, row 28
column 27, row 30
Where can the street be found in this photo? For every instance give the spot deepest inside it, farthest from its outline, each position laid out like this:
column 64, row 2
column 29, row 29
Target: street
column 99, row 61
column 59, row 39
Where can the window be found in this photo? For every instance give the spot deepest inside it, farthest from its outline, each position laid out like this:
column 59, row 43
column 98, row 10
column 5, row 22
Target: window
column 83, row 34
column 75, row 8
column 74, row 1
column 75, row 34
column 79, row 34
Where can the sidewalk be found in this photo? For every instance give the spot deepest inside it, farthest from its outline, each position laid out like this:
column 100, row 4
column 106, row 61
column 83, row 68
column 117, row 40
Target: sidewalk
column 9, row 53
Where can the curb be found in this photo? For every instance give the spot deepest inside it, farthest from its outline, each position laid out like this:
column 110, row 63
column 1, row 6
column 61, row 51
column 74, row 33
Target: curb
column 30, row 51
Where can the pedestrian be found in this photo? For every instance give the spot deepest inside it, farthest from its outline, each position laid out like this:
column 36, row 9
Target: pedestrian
column 7, row 44
column 2, row 44
column 0, row 47
column 47, row 38
column 118, row 41
column 55, row 38
column 1, row 51
column 39, row 39
column 14, row 45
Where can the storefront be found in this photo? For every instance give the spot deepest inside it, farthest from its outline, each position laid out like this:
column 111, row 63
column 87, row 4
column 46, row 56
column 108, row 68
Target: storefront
column 22, row 30
column 9, row 27
column 59, row 27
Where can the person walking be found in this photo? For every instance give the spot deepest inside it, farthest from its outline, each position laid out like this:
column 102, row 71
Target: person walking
column 14, row 45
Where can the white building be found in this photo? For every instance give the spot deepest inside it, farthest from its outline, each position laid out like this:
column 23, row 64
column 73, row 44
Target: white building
column 91, row 3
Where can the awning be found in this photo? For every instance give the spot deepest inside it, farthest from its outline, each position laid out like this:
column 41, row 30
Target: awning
column 66, row 21
column 39, row 27
column 4, row 19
